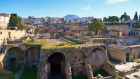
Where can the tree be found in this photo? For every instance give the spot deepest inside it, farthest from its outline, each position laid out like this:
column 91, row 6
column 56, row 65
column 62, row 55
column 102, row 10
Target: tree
column 15, row 21
column 137, row 24
column 125, row 17
column 113, row 19
column 136, row 17
column 96, row 26
column 139, row 17
column 105, row 19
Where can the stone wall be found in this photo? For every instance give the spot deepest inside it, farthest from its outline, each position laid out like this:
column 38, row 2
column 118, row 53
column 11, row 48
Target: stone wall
column 77, row 61
column 6, row 35
column 127, row 41
column 135, row 52
column 78, row 58
column 119, row 52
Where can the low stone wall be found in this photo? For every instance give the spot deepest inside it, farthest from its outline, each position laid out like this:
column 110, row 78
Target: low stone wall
column 109, row 77
column 19, row 74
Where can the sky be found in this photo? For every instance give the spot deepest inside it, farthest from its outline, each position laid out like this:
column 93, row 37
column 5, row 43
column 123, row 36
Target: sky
column 60, row 8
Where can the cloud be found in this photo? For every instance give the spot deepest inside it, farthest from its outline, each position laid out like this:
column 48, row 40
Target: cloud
column 86, row 8
column 116, row 1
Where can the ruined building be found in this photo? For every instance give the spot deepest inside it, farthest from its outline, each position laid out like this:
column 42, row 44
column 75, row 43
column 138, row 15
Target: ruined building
column 65, row 62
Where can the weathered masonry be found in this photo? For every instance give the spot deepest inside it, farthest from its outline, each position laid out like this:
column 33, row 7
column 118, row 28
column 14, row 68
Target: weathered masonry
column 65, row 62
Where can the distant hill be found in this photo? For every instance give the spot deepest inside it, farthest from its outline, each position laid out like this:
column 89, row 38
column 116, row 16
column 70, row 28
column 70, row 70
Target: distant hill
column 71, row 16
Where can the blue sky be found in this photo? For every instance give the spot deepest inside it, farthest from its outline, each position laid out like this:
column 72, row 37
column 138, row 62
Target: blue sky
column 60, row 8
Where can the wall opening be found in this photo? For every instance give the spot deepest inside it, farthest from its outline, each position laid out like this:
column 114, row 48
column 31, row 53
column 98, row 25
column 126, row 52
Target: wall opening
column 57, row 66
column 15, row 57
column 127, row 57
column 32, row 57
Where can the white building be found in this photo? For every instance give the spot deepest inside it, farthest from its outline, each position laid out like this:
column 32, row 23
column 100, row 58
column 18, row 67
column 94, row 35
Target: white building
column 4, row 20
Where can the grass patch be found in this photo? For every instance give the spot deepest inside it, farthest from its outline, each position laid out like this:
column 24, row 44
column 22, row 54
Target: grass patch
column 101, row 72
column 69, row 46
column 29, row 73
column 6, row 76
column 36, row 42
column 79, row 77
column 27, row 42
column 15, row 70
column 137, row 60
column 10, row 76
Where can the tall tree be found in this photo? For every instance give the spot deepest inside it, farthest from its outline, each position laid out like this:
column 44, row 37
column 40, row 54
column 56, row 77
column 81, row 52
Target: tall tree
column 96, row 26
column 105, row 19
column 125, row 17
column 136, row 17
column 113, row 19
column 139, row 17
column 15, row 21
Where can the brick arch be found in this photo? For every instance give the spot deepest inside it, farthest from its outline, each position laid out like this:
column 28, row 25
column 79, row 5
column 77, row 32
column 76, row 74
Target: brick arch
column 32, row 56
column 14, row 56
column 62, row 52
column 56, row 62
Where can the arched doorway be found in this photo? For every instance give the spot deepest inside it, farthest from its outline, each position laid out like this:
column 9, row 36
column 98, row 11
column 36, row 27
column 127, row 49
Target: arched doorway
column 97, row 58
column 56, row 63
column 15, row 57
column 32, row 57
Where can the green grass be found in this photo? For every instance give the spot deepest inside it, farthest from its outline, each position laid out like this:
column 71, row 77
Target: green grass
column 6, row 76
column 69, row 46
column 79, row 77
column 29, row 73
column 27, row 42
column 15, row 70
column 9, row 76
column 101, row 72
column 36, row 42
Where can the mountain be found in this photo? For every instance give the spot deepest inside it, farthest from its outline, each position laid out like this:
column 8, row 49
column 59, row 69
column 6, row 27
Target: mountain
column 48, row 17
column 71, row 16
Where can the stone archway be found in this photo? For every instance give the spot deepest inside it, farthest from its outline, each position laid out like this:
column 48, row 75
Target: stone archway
column 56, row 63
column 15, row 57
column 97, row 58
column 32, row 57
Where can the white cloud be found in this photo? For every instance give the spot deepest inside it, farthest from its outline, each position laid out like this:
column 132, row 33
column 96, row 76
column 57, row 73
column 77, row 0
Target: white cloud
column 116, row 1
column 87, row 8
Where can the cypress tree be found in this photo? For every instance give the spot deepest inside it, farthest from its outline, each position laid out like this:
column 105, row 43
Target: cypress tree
column 136, row 17
column 15, row 21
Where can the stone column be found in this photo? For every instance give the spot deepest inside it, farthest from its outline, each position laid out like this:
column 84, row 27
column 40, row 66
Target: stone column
column 68, row 71
column 89, row 70
column 44, row 72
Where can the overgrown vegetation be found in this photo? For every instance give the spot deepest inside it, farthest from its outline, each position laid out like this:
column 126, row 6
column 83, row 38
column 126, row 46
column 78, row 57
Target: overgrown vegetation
column 29, row 73
column 10, row 76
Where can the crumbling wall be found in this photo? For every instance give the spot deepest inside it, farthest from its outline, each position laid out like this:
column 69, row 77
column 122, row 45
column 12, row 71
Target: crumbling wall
column 77, row 59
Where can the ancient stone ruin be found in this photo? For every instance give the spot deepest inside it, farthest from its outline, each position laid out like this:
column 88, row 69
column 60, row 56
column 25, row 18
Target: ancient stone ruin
column 57, row 63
